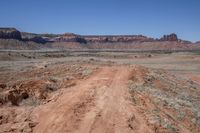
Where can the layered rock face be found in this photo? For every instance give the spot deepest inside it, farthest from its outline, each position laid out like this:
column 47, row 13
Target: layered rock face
column 67, row 37
column 10, row 33
column 117, row 38
column 10, row 38
column 198, row 42
column 70, row 37
column 171, row 37
column 37, row 39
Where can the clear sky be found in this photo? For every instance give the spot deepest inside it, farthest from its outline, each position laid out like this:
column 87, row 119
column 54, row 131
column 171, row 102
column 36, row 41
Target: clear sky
column 148, row 17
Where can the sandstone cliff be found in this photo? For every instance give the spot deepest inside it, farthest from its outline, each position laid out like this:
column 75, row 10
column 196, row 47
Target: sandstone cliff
column 10, row 33
column 171, row 37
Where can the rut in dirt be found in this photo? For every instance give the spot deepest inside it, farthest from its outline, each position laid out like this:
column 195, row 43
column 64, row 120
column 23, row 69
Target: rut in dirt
column 98, row 104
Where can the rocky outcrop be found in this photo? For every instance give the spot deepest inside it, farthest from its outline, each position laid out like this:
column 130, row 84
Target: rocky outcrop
column 197, row 42
column 36, row 39
column 10, row 33
column 68, row 37
column 171, row 37
column 11, row 38
column 116, row 38
column 33, row 37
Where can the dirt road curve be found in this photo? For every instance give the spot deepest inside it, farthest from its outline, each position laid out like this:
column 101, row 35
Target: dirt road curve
column 99, row 104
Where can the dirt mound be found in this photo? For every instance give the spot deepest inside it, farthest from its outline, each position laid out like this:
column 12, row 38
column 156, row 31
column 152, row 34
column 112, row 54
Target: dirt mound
column 28, row 90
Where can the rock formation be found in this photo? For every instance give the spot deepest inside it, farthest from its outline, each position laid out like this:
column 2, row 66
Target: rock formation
column 36, row 39
column 67, row 37
column 171, row 37
column 116, row 38
column 10, row 38
column 10, row 33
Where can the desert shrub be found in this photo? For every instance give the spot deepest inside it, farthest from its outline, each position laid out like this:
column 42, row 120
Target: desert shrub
column 54, row 79
column 3, row 99
column 52, row 87
column 86, row 72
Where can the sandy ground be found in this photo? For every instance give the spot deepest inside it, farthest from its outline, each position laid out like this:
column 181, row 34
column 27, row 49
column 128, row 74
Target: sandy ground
column 101, row 94
column 96, row 105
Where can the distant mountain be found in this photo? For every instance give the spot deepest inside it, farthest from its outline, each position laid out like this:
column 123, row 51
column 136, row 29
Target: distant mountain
column 74, row 41
column 197, row 42
column 10, row 33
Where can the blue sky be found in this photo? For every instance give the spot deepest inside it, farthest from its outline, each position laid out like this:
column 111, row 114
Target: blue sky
column 148, row 17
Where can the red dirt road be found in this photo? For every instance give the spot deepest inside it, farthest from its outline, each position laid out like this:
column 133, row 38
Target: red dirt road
column 99, row 104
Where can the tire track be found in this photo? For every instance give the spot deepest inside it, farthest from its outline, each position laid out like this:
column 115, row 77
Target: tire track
column 99, row 104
